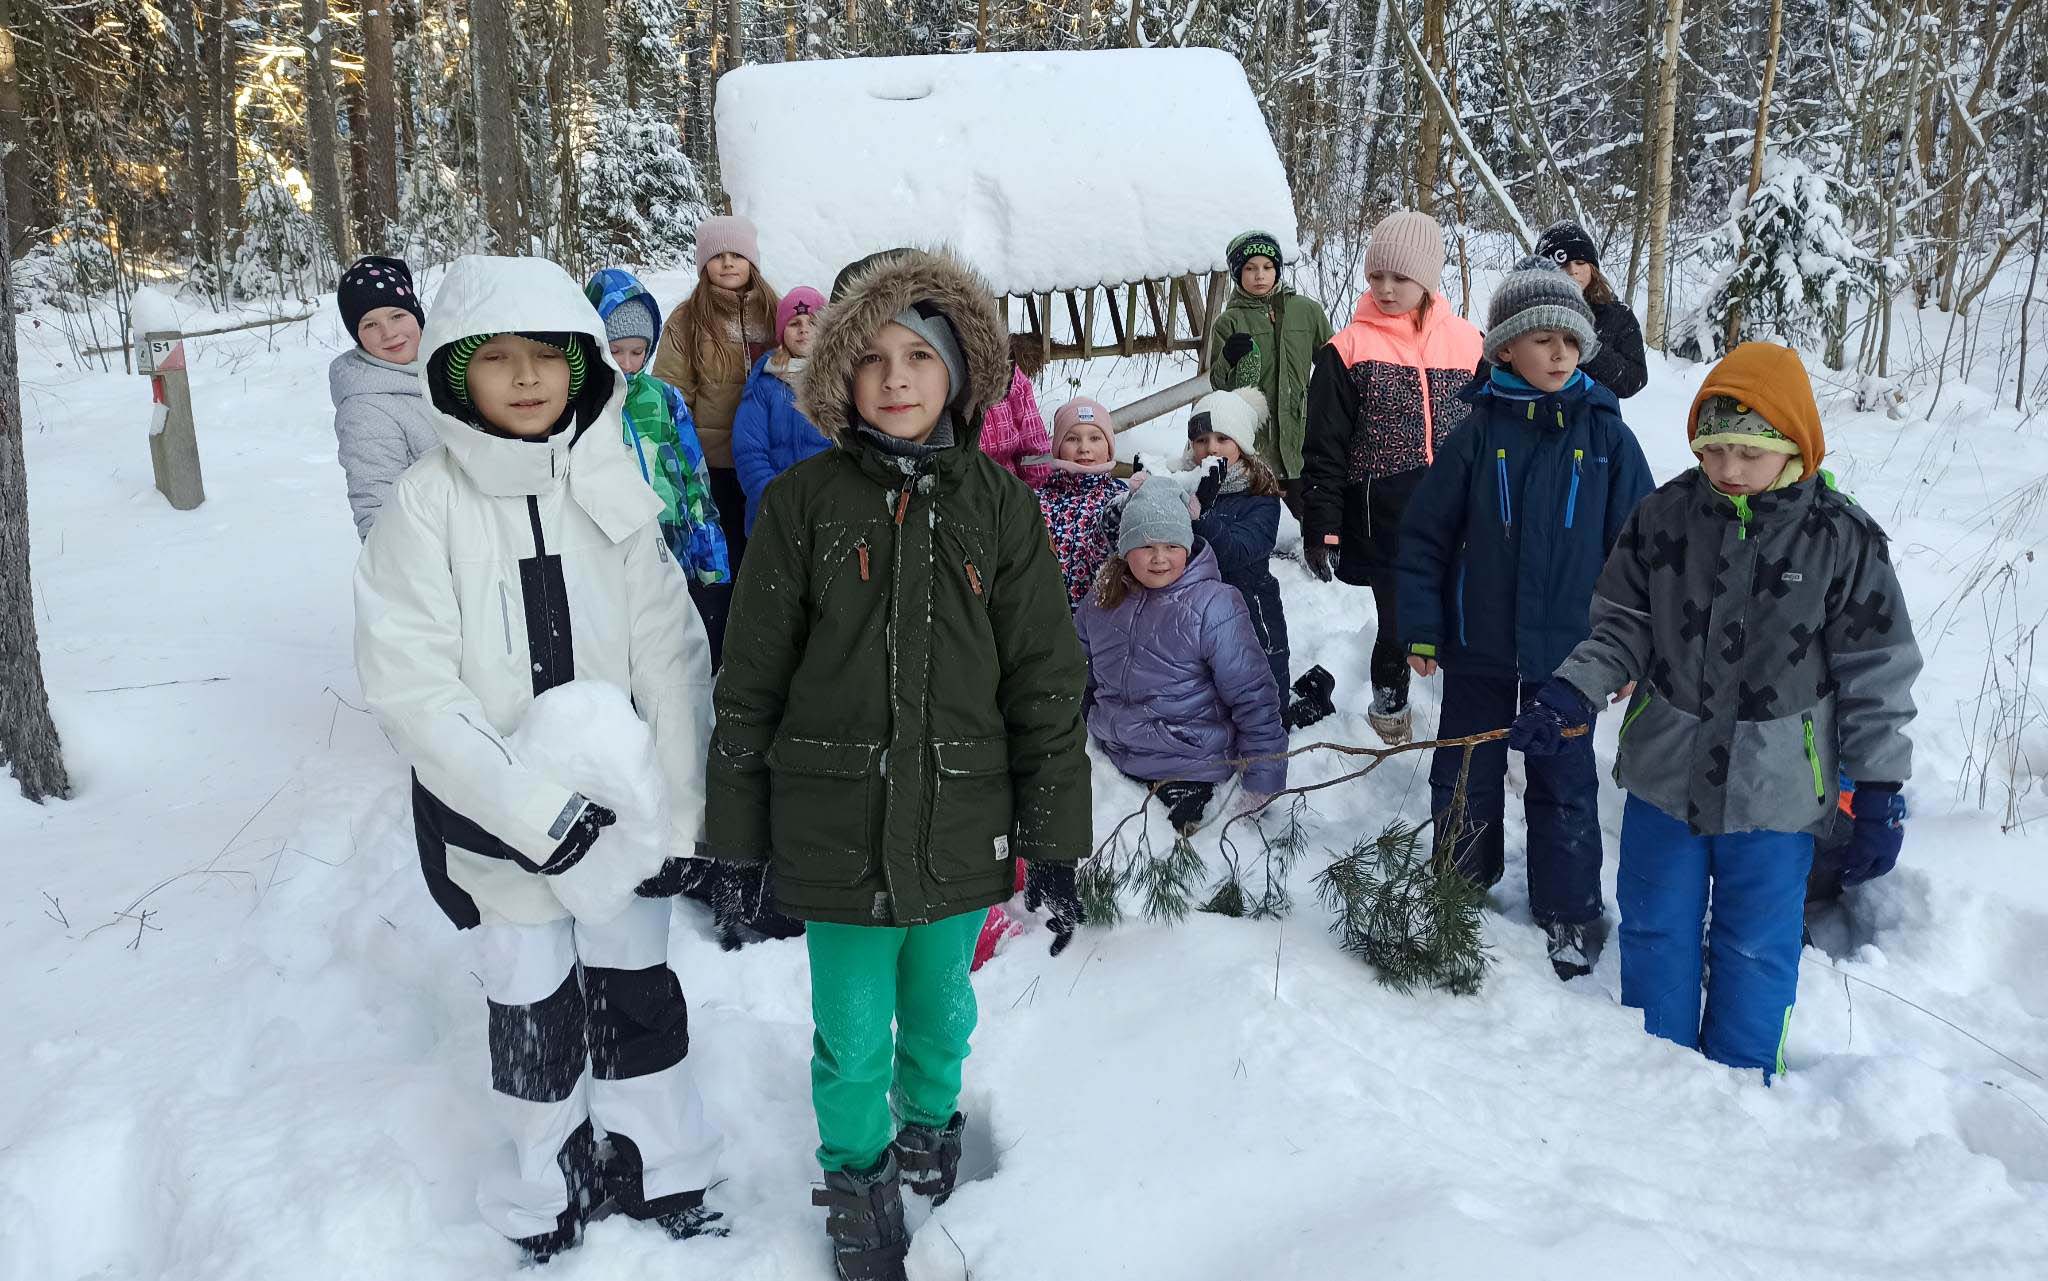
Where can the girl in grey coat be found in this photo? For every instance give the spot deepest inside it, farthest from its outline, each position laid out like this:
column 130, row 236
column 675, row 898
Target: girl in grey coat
column 382, row 424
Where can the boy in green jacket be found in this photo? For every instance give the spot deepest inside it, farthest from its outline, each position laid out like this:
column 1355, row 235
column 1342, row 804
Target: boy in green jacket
column 1267, row 337
column 898, row 719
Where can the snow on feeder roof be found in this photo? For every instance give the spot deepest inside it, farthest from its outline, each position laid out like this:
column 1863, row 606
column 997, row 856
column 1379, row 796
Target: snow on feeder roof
column 1047, row 171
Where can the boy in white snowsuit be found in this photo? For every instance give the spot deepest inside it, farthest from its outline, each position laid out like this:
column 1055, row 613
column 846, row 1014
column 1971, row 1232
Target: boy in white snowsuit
column 1755, row 612
column 525, row 554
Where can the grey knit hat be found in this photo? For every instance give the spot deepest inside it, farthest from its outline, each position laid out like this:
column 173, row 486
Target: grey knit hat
column 1156, row 512
column 632, row 318
column 929, row 323
column 1537, row 295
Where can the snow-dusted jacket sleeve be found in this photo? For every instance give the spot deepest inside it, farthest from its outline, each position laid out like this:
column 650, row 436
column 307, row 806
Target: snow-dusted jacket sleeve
column 409, row 660
column 1430, row 532
column 1244, row 681
column 1039, row 690
column 1622, row 640
column 769, row 627
column 669, row 667
column 1333, row 413
column 1873, row 658
column 1242, row 534
column 1620, row 365
column 374, row 454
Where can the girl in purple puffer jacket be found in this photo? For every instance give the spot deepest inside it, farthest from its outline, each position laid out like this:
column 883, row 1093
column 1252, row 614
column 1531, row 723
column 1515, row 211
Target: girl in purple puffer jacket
column 1179, row 688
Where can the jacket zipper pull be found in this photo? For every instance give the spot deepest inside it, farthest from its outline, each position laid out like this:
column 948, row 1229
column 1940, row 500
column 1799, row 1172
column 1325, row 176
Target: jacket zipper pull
column 973, row 579
column 1500, row 460
column 903, row 502
column 861, row 550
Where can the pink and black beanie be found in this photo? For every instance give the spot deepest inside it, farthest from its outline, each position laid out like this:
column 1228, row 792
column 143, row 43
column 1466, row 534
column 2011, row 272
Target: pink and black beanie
column 371, row 283
column 800, row 301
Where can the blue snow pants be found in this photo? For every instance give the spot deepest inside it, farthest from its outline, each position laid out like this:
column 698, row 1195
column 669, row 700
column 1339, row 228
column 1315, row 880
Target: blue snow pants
column 1562, row 803
column 1758, row 899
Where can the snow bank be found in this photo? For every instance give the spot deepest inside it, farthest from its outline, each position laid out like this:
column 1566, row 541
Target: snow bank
column 1045, row 170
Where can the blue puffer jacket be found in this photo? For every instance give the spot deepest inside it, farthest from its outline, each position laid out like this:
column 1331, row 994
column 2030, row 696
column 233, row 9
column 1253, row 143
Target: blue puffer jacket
column 1241, row 529
column 769, row 434
column 1505, row 538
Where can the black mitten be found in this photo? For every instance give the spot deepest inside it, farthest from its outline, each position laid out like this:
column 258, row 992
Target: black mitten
column 1054, row 886
column 582, row 835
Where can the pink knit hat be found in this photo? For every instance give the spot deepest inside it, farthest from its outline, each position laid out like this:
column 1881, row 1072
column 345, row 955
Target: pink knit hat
column 728, row 235
column 1077, row 412
column 800, row 301
column 1408, row 244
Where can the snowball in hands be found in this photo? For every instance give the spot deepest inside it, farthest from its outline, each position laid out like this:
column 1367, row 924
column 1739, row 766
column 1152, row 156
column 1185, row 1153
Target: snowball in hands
column 585, row 735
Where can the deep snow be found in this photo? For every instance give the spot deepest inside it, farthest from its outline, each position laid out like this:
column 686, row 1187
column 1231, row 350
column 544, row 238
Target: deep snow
column 243, row 1043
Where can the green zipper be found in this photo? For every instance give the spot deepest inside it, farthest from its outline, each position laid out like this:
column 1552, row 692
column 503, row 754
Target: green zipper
column 1820, row 789
column 1741, row 515
column 1630, row 719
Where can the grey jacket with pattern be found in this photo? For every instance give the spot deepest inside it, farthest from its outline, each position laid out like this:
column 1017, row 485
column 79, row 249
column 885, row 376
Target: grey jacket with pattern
column 382, row 425
column 1773, row 651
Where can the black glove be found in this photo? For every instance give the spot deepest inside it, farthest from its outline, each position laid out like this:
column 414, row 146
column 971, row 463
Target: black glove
column 582, row 835
column 1053, row 885
column 677, row 876
column 1557, row 707
column 1210, row 485
column 1237, row 346
column 738, row 897
column 1880, row 832
column 1315, row 553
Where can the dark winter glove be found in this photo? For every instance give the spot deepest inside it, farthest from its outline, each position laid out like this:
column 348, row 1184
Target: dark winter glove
column 677, row 876
column 1211, row 485
column 1558, row 707
column 1878, row 834
column 1237, row 347
column 582, row 835
column 739, row 897
column 1317, row 554
column 1053, row 885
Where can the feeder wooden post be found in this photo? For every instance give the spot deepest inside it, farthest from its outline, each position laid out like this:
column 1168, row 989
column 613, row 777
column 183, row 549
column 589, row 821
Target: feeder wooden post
column 173, row 443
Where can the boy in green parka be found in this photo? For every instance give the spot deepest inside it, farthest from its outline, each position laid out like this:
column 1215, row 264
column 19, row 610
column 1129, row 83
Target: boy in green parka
column 898, row 719
column 1267, row 337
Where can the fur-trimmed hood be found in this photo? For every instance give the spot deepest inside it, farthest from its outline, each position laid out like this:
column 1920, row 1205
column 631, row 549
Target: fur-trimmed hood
column 875, row 290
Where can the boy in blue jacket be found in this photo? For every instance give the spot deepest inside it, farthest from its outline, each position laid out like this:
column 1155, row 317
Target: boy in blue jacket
column 1500, row 550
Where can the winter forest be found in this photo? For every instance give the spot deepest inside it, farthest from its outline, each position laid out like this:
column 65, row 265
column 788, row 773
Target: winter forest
column 443, row 903
column 250, row 147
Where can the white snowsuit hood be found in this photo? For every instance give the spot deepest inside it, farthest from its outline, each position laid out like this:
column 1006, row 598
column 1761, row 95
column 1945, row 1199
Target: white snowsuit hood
column 499, row 570
column 491, row 295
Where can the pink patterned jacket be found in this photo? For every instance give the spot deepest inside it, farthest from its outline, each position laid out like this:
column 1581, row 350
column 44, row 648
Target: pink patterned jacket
column 1013, row 429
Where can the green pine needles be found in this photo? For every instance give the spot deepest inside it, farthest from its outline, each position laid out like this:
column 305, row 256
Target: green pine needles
column 1408, row 912
column 1165, row 883
column 1261, row 895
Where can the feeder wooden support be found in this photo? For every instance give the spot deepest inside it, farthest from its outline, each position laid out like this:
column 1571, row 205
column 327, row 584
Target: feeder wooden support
column 1181, row 311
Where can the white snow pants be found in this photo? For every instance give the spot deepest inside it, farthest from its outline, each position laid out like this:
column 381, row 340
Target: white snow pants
column 588, row 1025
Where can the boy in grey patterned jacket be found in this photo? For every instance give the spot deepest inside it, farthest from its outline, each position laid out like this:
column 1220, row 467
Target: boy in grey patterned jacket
column 1754, row 610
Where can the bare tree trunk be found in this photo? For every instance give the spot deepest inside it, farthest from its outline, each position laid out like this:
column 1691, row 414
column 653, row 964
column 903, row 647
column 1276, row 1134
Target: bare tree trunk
column 323, row 132
column 183, row 15
column 1429, row 146
column 1660, row 173
column 21, row 191
column 379, row 125
column 503, row 171
column 28, row 738
column 590, row 40
column 735, row 36
column 226, row 52
column 1756, row 150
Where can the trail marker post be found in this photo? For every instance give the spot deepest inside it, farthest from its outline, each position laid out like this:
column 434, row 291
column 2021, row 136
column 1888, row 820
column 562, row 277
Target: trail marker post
column 173, row 442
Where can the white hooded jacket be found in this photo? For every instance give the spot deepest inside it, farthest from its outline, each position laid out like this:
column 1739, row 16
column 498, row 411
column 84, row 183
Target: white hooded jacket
column 499, row 569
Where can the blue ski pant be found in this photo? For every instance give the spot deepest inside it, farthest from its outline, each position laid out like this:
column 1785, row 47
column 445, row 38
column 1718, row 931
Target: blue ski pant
column 1754, row 883
column 1562, row 803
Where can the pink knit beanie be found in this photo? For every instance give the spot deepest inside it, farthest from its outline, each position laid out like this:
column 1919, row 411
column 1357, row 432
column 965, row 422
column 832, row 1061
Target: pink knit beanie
column 1076, row 412
column 800, row 301
column 1408, row 244
column 728, row 235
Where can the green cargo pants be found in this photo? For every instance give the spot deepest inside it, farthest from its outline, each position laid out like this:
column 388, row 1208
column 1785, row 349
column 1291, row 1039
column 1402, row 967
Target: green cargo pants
column 862, row 978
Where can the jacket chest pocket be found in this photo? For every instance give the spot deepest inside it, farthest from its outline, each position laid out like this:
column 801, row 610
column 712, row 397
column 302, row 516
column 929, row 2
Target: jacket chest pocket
column 972, row 801
column 824, row 807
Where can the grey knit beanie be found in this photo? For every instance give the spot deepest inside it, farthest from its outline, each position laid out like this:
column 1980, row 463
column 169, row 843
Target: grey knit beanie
column 1156, row 512
column 633, row 318
column 1408, row 244
column 929, row 323
column 1538, row 295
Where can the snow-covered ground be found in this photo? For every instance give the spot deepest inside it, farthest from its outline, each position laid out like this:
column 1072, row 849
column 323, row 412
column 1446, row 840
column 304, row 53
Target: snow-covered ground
column 242, row 1043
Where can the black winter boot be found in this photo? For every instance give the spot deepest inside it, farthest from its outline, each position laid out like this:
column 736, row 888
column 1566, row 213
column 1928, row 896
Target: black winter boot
column 1312, row 701
column 864, row 1216
column 930, row 1158
column 1185, row 803
column 690, row 1217
column 1573, row 949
